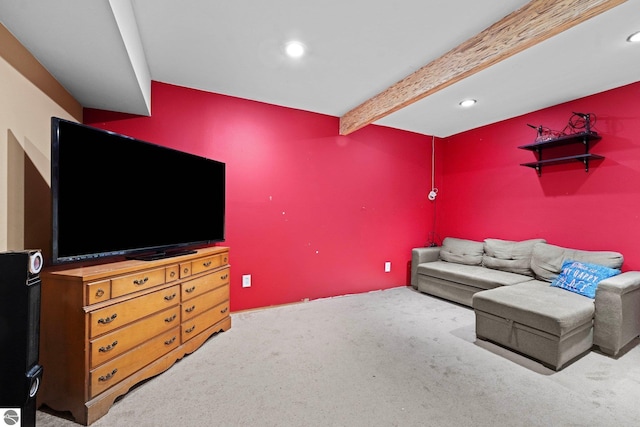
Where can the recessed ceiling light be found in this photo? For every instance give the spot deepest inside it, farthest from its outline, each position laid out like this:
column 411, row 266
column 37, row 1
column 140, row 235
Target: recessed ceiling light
column 467, row 103
column 294, row 49
column 634, row 38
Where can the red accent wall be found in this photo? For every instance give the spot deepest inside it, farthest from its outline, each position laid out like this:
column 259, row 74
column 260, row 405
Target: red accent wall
column 486, row 193
column 310, row 213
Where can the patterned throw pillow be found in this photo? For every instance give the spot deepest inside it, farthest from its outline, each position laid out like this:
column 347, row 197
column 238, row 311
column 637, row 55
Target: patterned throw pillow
column 582, row 278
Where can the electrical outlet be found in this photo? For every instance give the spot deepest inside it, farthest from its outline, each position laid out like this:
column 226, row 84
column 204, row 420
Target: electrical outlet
column 246, row 280
column 387, row 266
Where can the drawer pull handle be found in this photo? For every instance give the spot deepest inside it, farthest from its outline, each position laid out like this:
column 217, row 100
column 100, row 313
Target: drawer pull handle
column 108, row 348
column 172, row 274
column 170, row 297
column 224, row 277
column 224, row 260
column 108, row 320
column 170, row 319
column 206, row 264
column 186, row 270
column 140, row 282
column 224, row 310
column 169, row 342
column 190, row 309
column 191, row 329
column 191, row 289
column 108, row 376
column 99, row 292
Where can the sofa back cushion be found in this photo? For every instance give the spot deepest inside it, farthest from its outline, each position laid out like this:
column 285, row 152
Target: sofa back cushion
column 461, row 251
column 547, row 260
column 508, row 255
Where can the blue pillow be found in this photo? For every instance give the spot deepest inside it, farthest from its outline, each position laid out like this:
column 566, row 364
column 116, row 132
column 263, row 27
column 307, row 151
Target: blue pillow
column 582, row 278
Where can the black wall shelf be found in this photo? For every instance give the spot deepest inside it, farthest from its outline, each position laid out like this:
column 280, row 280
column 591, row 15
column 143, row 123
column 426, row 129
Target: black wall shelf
column 584, row 138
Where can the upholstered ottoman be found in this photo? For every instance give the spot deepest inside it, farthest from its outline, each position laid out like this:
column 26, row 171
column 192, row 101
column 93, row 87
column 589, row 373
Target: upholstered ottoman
column 548, row 324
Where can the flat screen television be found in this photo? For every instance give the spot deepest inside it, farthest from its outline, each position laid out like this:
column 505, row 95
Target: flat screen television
column 113, row 195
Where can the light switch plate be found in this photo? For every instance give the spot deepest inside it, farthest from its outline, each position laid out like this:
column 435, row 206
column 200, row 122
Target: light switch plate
column 246, row 280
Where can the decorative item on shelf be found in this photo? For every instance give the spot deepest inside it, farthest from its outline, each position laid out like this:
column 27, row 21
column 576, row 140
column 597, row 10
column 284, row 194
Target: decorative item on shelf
column 578, row 123
column 577, row 131
column 544, row 133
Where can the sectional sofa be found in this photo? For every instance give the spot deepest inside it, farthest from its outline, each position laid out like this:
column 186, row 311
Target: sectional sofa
column 547, row 302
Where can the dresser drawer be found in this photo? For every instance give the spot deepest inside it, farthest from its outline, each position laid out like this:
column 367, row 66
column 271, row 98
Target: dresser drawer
column 114, row 371
column 136, row 282
column 206, row 264
column 204, row 302
column 98, row 292
column 110, row 318
column 172, row 273
column 185, row 270
column 200, row 323
column 198, row 286
column 115, row 343
column 220, row 277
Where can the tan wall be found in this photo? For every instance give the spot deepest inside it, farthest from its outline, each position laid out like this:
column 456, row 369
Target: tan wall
column 29, row 96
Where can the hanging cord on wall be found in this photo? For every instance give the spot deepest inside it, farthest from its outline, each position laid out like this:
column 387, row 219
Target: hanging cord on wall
column 581, row 122
column 434, row 191
column 432, row 239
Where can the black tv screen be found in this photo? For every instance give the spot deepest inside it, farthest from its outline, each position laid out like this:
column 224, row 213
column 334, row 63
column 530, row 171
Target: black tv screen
column 116, row 195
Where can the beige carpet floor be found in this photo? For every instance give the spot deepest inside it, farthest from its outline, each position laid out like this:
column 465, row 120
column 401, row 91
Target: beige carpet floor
column 388, row 358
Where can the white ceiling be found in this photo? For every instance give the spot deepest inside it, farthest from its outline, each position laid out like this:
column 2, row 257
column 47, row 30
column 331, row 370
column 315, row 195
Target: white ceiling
column 106, row 52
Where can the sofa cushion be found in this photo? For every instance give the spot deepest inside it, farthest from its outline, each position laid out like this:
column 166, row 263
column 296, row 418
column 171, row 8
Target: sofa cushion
column 547, row 260
column 508, row 255
column 470, row 275
column 461, row 251
column 538, row 305
column 582, row 277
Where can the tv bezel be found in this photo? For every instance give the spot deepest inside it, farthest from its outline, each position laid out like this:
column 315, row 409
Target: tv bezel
column 142, row 253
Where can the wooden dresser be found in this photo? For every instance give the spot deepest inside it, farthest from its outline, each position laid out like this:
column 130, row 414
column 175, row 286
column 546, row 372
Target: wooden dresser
column 105, row 328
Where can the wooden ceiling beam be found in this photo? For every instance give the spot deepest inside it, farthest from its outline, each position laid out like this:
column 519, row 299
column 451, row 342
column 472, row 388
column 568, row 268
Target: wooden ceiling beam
column 533, row 23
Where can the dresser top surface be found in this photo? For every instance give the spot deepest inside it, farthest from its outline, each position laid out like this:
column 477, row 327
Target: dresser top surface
column 98, row 271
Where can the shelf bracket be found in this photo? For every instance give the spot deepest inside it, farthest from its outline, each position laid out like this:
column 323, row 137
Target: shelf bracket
column 585, row 141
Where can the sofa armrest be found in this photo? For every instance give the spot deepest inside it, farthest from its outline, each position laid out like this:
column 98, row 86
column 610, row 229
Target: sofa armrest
column 617, row 318
column 420, row 255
